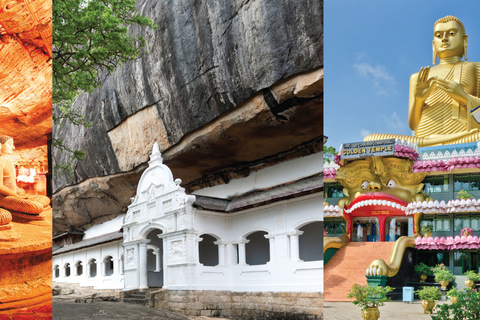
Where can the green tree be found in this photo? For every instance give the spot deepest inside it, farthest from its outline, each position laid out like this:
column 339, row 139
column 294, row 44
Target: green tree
column 328, row 154
column 88, row 37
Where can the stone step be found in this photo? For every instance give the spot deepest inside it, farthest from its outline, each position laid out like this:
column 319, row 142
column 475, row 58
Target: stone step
column 348, row 266
column 134, row 301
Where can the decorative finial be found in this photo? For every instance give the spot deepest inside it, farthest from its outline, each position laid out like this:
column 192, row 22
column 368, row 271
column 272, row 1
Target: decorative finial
column 156, row 156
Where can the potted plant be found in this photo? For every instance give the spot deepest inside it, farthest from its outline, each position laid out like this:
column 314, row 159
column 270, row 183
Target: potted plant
column 442, row 275
column 428, row 295
column 472, row 277
column 423, row 270
column 369, row 299
column 453, row 294
column 466, row 232
column 464, row 195
column 427, row 230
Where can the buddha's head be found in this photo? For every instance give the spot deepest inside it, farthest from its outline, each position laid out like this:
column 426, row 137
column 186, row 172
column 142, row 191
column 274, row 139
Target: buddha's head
column 449, row 38
column 6, row 144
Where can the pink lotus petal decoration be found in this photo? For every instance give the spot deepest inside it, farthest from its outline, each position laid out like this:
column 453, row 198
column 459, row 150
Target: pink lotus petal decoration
column 329, row 173
column 449, row 243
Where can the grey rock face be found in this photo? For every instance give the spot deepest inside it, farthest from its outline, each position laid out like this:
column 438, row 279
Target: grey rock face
column 203, row 59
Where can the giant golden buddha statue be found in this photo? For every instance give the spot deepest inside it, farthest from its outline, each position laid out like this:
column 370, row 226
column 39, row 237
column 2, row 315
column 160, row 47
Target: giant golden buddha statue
column 13, row 198
column 443, row 97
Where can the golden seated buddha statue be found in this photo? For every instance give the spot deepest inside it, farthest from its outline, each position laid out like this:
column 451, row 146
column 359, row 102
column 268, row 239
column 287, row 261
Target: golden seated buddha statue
column 444, row 98
column 13, row 198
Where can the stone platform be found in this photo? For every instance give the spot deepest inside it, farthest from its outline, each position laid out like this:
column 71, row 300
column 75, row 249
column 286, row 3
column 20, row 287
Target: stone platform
column 26, row 264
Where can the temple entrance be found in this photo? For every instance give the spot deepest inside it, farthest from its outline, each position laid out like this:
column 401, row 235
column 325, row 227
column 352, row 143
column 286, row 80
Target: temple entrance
column 395, row 227
column 365, row 229
column 155, row 260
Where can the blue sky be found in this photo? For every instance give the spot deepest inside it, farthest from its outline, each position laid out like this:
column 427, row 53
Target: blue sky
column 371, row 48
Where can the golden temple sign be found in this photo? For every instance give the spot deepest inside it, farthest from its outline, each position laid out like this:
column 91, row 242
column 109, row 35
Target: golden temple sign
column 368, row 149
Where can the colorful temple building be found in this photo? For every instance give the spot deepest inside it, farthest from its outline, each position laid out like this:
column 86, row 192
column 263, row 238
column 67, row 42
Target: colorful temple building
column 393, row 201
column 376, row 220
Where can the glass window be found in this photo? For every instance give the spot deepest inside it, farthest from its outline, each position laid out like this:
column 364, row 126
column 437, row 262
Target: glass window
column 467, row 182
column 436, row 184
column 334, row 190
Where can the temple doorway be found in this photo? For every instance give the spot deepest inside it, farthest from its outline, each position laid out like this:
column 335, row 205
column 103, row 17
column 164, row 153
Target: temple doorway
column 365, row 229
column 395, row 227
column 155, row 260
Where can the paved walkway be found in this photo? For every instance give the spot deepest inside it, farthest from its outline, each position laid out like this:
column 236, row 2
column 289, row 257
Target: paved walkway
column 395, row 310
column 67, row 309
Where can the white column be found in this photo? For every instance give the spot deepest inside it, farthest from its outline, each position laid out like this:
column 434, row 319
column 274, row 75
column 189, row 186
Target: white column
column 242, row 257
column 142, row 266
column 231, row 254
column 271, row 243
column 197, row 251
column 158, row 266
column 221, row 252
column 295, row 246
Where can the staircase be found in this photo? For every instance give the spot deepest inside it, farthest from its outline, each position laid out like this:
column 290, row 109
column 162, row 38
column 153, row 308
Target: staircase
column 348, row 266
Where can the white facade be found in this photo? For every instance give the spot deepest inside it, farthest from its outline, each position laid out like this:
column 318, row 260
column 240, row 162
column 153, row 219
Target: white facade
column 169, row 243
column 100, row 267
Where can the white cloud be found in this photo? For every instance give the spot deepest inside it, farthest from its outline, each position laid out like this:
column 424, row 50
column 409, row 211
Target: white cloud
column 365, row 132
column 382, row 81
column 393, row 121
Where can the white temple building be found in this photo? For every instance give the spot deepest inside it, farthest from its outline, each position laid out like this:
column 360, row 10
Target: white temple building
column 261, row 233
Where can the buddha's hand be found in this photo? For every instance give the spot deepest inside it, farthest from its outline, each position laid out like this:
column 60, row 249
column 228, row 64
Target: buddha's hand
column 422, row 87
column 452, row 88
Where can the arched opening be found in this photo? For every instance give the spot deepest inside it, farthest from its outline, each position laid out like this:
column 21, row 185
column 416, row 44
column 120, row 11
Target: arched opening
column 366, row 229
column 56, row 271
column 395, row 227
column 208, row 251
column 79, row 268
column 257, row 250
column 108, row 265
column 311, row 242
column 92, row 268
column 155, row 260
column 67, row 269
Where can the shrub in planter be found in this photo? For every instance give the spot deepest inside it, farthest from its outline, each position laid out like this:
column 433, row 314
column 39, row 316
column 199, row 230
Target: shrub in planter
column 466, row 308
column 422, row 268
column 369, row 297
column 471, row 275
column 427, row 228
column 429, row 293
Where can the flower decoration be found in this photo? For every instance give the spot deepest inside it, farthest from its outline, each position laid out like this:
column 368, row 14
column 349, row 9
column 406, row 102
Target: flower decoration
column 466, row 231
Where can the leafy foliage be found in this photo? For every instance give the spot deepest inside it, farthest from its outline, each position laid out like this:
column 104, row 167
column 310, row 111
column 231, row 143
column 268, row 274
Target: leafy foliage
column 328, row 154
column 464, row 195
column 429, row 293
column 422, row 268
column 368, row 296
column 441, row 273
column 88, row 37
column 454, row 292
column 466, row 308
column 426, row 228
column 471, row 275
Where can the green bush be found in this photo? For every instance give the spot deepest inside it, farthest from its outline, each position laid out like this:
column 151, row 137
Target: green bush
column 467, row 307
column 454, row 292
column 369, row 297
column 422, row 268
column 471, row 275
column 441, row 273
column 429, row 293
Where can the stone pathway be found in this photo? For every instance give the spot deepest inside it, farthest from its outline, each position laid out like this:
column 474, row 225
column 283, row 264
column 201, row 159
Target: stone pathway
column 65, row 308
column 39, row 312
column 395, row 310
